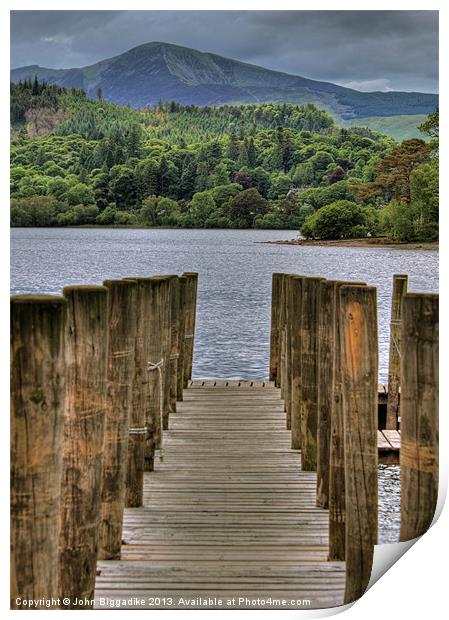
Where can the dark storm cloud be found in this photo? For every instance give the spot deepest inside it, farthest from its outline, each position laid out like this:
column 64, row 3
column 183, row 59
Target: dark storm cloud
column 368, row 50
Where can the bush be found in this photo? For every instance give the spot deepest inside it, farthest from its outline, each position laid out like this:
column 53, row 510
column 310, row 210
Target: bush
column 340, row 220
column 34, row 211
column 408, row 222
column 245, row 207
column 79, row 194
column 269, row 221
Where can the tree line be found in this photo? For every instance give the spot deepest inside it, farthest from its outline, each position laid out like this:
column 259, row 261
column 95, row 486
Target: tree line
column 264, row 166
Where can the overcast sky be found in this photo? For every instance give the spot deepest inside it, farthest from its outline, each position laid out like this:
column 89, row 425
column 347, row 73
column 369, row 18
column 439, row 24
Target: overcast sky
column 367, row 50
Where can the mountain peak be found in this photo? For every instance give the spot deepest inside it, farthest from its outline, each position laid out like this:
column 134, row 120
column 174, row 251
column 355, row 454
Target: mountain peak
column 157, row 70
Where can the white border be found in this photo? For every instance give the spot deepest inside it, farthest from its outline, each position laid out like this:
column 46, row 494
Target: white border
column 416, row 585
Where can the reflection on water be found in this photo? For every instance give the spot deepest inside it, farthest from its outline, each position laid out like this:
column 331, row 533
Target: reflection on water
column 233, row 321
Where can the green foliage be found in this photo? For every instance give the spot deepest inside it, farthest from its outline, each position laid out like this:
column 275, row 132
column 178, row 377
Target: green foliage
column 34, row 211
column 417, row 220
column 245, row 207
column 341, row 220
column 240, row 166
column 399, row 127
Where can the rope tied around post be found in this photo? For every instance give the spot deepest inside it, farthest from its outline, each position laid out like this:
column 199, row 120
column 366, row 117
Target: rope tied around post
column 395, row 342
column 138, row 431
column 158, row 366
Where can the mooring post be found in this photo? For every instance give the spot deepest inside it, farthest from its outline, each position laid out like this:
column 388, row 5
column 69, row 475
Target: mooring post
column 189, row 336
column 166, row 305
column 37, row 422
column 295, row 399
column 326, row 335
column 141, row 437
column 274, row 333
column 310, row 304
column 284, row 339
column 122, row 320
column 84, row 423
column 419, row 413
column 290, row 322
column 337, row 501
column 281, row 345
column 156, row 335
column 359, row 367
column 181, row 337
column 174, row 341
column 394, row 363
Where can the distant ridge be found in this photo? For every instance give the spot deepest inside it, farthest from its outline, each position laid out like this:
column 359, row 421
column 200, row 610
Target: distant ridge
column 157, row 71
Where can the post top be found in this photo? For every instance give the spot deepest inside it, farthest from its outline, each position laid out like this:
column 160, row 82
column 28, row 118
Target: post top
column 129, row 282
column 164, row 277
column 84, row 288
column 35, row 298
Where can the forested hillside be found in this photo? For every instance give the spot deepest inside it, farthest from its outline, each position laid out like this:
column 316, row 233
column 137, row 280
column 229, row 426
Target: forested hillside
column 158, row 71
column 78, row 161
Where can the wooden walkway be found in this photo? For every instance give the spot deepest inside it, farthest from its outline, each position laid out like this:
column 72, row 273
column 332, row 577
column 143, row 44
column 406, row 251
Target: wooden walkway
column 228, row 515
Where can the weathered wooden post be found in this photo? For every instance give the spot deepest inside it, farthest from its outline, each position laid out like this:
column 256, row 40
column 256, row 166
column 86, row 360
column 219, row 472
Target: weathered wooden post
column 84, row 423
column 165, row 332
column 291, row 324
column 310, row 303
column 181, row 340
column 156, row 336
column 174, row 341
column 122, row 318
column 139, row 433
column 295, row 411
column 190, row 320
column 394, row 363
column 419, row 413
column 276, row 289
column 37, row 421
column 326, row 335
column 283, row 337
column 359, row 365
column 337, row 501
column 166, row 344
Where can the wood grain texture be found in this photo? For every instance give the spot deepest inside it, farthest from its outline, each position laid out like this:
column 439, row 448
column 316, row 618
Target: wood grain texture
column 400, row 283
column 290, row 326
column 310, row 308
column 191, row 291
column 359, row 364
column 326, row 353
column 158, row 352
column 281, row 352
column 84, row 423
column 142, row 433
column 229, row 511
column 37, row 419
column 337, row 518
column 120, row 375
column 174, row 341
column 419, row 413
column 274, row 332
column 295, row 364
column 182, row 343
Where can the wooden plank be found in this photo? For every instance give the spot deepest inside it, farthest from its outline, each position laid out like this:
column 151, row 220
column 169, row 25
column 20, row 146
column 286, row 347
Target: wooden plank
column 393, row 438
column 228, row 513
column 382, row 442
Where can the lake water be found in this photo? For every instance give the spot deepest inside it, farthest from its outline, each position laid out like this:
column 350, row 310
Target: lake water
column 233, row 319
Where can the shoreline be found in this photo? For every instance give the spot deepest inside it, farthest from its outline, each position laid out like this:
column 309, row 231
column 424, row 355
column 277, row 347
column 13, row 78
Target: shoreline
column 372, row 242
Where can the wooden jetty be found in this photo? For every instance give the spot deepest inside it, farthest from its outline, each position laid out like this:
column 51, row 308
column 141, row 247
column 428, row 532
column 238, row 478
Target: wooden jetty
column 228, row 513
column 134, row 486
